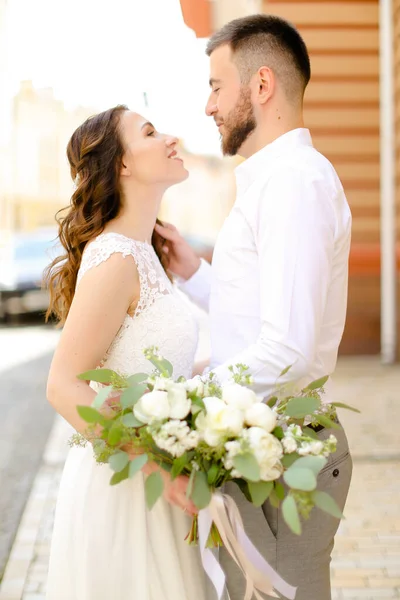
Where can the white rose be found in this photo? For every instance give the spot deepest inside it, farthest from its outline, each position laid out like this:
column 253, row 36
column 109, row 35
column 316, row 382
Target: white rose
column 267, row 451
column 238, row 396
column 223, row 418
column 160, row 383
column 152, row 406
column 195, row 386
column 179, row 403
column 260, row 415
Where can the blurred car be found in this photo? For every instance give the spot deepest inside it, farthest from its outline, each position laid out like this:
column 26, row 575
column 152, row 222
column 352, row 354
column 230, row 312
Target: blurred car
column 22, row 262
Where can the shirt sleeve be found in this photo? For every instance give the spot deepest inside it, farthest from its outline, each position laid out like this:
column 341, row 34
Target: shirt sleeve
column 295, row 230
column 199, row 285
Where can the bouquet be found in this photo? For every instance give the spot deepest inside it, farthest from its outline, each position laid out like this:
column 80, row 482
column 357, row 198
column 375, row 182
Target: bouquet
column 213, row 434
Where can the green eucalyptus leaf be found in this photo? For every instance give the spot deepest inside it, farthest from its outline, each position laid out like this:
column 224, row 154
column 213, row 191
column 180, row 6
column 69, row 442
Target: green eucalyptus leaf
column 291, row 515
column 90, row 415
column 162, row 365
column 136, row 464
column 201, row 494
column 247, row 466
column 189, row 489
column 260, row 491
column 212, row 474
column 285, row 370
column 115, row 434
column 118, row 461
column 346, row 406
column 101, row 397
column 289, row 459
column 179, row 464
column 326, row 503
column 99, row 375
column 132, row 394
column 309, row 431
column 272, row 401
column 327, row 422
column 274, row 500
column 154, row 486
column 317, row 384
column 120, row 476
column 299, row 408
column 300, row 478
column 279, row 490
column 278, row 432
column 137, row 378
column 129, row 420
column 315, row 463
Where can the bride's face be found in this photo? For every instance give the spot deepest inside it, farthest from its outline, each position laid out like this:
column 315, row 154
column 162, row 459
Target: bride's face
column 150, row 157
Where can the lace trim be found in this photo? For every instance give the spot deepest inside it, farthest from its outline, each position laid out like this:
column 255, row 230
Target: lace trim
column 153, row 279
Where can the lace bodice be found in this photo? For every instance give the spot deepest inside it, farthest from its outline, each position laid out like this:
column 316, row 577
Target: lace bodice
column 162, row 317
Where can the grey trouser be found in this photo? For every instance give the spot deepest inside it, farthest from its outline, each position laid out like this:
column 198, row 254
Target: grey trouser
column 303, row 561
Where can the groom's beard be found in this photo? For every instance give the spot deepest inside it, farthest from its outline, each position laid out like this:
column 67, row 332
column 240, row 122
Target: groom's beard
column 239, row 124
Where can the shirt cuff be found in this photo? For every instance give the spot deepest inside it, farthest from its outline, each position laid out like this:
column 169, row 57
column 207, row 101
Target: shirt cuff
column 198, row 286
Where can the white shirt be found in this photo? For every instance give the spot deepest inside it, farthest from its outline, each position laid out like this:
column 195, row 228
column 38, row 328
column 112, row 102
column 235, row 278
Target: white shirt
column 277, row 288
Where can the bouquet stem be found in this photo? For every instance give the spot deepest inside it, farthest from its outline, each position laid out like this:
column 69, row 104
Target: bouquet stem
column 214, row 538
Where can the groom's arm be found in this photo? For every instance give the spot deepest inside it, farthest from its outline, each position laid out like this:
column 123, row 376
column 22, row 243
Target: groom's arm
column 199, row 285
column 294, row 229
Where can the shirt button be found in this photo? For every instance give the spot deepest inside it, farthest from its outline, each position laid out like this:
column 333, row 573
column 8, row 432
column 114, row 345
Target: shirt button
column 335, row 472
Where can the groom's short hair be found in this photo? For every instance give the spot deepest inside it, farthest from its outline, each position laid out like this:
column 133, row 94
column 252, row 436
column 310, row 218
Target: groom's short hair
column 266, row 40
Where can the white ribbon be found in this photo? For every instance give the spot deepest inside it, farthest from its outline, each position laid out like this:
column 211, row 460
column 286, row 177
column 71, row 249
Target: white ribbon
column 259, row 575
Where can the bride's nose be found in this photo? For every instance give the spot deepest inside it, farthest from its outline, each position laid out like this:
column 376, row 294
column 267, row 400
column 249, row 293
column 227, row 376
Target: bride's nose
column 171, row 141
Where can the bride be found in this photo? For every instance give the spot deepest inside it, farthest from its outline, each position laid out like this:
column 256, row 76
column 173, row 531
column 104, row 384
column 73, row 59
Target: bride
column 112, row 293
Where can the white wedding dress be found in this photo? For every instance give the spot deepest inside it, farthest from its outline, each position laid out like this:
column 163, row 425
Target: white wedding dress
column 106, row 545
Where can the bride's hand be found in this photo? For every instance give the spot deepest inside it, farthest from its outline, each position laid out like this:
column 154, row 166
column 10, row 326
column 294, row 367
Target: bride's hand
column 183, row 261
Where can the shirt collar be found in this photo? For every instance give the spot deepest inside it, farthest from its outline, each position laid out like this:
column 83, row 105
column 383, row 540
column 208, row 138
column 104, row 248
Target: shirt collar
column 248, row 171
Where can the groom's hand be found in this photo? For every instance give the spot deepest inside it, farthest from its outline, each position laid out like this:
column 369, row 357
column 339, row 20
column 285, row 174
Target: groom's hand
column 183, row 261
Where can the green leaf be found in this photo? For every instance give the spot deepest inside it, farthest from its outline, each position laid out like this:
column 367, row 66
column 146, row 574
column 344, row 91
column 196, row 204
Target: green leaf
column 315, row 463
column 99, row 375
column 129, row 420
column 272, row 401
column 102, row 397
column 318, row 383
column 299, row 408
column 118, row 461
column 212, row 474
column 201, row 494
column 90, row 415
column 162, row 365
column 289, row 459
column 291, row 515
column 310, row 433
column 120, row 476
column 154, row 486
column 326, row 422
column 346, row 406
column 137, row 378
column 279, row 490
column 247, row 466
column 115, row 434
column 300, row 478
column 278, row 432
column 326, row 503
column 132, row 394
column 274, row 500
column 189, row 489
column 260, row 491
column 179, row 464
column 285, row 370
column 137, row 464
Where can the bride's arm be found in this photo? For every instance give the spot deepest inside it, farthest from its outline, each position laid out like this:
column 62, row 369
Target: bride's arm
column 98, row 309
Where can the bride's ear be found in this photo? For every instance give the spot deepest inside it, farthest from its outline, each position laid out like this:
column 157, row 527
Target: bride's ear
column 125, row 171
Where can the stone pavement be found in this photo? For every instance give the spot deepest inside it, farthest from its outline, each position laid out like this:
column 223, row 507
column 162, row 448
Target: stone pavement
column 366, row 560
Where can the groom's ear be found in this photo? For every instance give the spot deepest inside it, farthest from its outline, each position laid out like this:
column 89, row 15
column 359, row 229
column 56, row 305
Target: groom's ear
column 266, row 84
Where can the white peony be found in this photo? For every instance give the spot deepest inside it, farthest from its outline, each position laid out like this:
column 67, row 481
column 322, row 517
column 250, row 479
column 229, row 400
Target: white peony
column 267, row 450
column 179, row 403
column 261, row 415
column 238, row 396
column 153, row 406
column 223, row 418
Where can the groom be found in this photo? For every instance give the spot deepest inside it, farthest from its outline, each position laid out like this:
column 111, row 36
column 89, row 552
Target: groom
column 277, row 288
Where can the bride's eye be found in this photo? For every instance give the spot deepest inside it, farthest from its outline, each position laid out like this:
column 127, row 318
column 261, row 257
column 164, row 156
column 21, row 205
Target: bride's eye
column 152, row 132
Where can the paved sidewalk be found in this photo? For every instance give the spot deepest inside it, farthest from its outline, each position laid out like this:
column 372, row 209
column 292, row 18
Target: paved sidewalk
column 366, row 561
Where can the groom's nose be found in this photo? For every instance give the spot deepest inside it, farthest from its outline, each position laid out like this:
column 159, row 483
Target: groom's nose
column 211, row 108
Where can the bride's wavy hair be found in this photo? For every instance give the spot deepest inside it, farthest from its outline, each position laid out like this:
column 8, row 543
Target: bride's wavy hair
column 95, row 153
